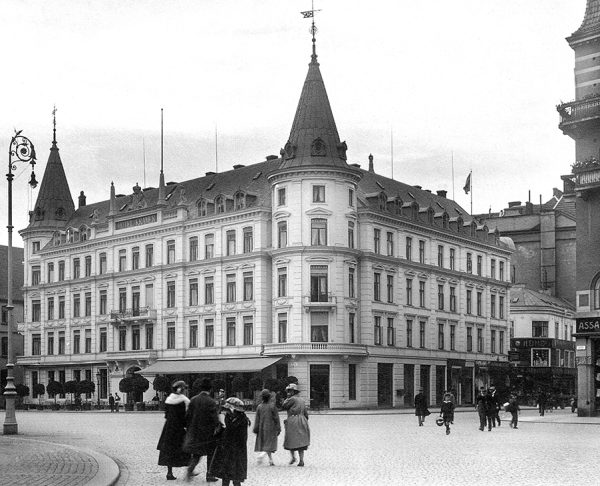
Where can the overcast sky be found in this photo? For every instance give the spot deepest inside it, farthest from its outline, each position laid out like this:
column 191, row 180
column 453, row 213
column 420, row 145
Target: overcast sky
column 479, row 79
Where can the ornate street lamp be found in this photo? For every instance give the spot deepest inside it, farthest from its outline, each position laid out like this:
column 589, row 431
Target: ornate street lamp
column 98, row 376
column 21, row 150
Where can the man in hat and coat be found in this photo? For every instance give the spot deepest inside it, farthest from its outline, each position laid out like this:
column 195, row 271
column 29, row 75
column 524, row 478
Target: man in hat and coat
column 202, row 424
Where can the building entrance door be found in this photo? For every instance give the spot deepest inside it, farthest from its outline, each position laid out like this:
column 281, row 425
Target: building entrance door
column 409, row 385
column 384, row 384
column 319, row 386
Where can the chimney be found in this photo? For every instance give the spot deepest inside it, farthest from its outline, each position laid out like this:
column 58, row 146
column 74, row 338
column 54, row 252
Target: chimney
column 81, row 199
column 371, row 163
column 442, row 193
column 210, row 173
column 238, row 166
column 271, row 157
column 514, row 204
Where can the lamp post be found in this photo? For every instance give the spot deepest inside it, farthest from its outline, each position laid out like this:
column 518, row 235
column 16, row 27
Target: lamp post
column 98, row 376
column 21, row 150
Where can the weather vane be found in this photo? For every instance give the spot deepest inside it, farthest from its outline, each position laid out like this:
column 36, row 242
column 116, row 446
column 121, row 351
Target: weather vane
column 310, row 14
column 54, row 122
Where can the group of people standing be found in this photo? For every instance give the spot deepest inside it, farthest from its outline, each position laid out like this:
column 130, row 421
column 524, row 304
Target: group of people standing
column 218, row 429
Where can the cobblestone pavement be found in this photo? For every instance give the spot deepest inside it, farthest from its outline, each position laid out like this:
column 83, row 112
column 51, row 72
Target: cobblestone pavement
column 358, row 449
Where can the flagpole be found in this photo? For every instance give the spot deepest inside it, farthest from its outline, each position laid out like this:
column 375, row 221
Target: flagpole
column 453, row 196
column 471, row 174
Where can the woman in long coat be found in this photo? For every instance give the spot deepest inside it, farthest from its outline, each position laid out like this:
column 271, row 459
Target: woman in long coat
column 266, row 426
column 173, row 432
column 421, row 406
column 297, row 431
column 230, row 460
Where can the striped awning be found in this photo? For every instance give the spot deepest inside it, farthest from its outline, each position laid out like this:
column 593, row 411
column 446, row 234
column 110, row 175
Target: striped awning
column 221, row 365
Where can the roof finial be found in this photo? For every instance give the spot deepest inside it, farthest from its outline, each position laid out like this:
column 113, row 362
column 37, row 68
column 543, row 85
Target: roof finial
column 310, row 14
column 54, row 122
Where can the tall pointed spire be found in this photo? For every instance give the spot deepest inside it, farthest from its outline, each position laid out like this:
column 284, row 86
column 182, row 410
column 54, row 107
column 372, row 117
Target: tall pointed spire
column 161, row 182
column 54, row 205
column 314, row 139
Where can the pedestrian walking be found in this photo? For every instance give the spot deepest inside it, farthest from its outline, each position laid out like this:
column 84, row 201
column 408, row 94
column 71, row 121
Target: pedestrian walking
column 447, row 411
column 171, row 439
column 482, row 404
column 117, row 402
column 297, row 431
column 230, row 459
column 542, row 402
column 421, row 410
column 513, row 408
column 111, row 402
column 267, row 426
column 202, row 424
column 495, row 404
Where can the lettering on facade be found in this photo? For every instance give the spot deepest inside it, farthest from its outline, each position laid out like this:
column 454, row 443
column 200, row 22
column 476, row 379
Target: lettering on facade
column 532, row 343
column 129, row 223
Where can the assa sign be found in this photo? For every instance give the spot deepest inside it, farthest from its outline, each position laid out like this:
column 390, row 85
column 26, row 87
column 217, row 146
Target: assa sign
column 588, row 325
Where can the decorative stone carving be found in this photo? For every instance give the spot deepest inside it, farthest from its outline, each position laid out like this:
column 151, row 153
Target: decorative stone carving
column 318, row 148
column 289, row 150
column 341, row 149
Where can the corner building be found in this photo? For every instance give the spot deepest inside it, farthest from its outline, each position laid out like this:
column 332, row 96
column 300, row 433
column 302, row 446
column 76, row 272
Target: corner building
column 362, row 287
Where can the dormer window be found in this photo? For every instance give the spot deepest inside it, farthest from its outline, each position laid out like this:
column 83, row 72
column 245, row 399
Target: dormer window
column 382, row 201
column 220, row 204
column 240, row 200
column 445, row 220
column 430, row 215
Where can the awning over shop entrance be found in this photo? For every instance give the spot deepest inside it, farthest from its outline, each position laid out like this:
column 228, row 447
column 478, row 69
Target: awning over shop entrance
column 223, row 365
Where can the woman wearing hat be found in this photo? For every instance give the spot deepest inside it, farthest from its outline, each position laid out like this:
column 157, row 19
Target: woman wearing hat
column 297, row 431
column 266, row 426
column 230, row 460
column 171, row 440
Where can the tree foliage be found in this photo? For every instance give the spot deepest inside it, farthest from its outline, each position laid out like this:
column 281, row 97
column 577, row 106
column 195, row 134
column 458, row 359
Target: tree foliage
column 161, row 384
column 86, row 386
column 133, row 384
column 54, row 388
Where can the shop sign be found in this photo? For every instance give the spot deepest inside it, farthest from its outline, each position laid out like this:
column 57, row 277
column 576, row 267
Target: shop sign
column 531, row 343
column 581, row 347
column 457, row 363
column 587, row 325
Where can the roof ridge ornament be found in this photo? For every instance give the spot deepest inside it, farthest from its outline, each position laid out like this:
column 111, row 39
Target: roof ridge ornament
column 54, row 124
column 310, row 14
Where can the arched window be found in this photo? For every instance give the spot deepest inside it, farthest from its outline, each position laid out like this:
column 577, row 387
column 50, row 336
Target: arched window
column 596, row 290
column 220, row 204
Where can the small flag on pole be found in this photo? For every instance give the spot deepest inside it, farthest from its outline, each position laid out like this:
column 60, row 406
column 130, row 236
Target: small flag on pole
column 467, row 187
column 308, row 14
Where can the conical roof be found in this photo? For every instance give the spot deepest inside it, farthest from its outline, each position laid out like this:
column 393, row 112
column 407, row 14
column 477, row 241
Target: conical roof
column 314, row 138
column 591, row 20
column 54, row 205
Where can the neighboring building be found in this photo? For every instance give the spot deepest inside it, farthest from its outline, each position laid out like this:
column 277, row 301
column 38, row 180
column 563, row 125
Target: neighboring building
column 545, row 238
column 580, row 119
column 360, row 286
column 17, row 302
column 542, row 347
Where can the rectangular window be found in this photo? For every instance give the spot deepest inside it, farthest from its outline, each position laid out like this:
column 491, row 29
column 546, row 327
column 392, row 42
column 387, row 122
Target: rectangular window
column 209, row 246
column 36, row 343
column 319, row 327
column 103, row 340
column 452, row 299
column 391, row 332
column 469, row 301
column 351, row 327
column 501, row 342
column 422, row 334
column 479, row 304
column 282, row 325
column 281, row 196
column 493, row 268
column 122, row 300
column 440, row 297
column 452, row 337
column 377, row 331
column 351, row 381
column 230, row 290
column 319, row 283
column 61, row 342
column 493, row 341
column 479, row 340
column 248, row 240
column 102, row 264
column 88, row 266
column 440, row 336
column 390, row 244
column 209, row 290
column 421, row 293
column 282, row 234
column 49, row 343
column 351, row 198
column 493, row 305
column 376, row 240
column 556, row 336
column 209, row 333
column 135, row 258
column 193, row 291
column 35, row 247
column 390, row 288
column 122, row 338
column 377, row 287
column 440, row 256
column 170, row 335
column 135, row 338
column 248, row 331
column 350, row 234
column 501, row 307
column 170, row 252
column 501, row 271
column 230, row 238
column 318, row 232
column 452, row 259
column 408, row 248
column 469, row 263
column 281, row 282
column 35, row 275
column 230, row 330
column 318, row 194
column 50, row 308
column 479, row 264
column 50, row 272
column 193, row 334
column 122, row 260
column 193, row 249
column 351, row 286
column 103, row 303
column 409, row 333
column 61, row 271
column 421, row 251
column 88, row 304
column 409, row 291
column 469, row 339
column 76, row 305
column 76, row 342
column 171, row 294
column 539, row 329
column 76, row 268
column 149, row 336
column 61, row 307
column 149, row 256
column 248, row 286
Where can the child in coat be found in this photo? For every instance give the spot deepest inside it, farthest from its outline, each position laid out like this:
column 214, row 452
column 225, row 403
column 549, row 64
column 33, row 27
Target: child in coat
column 447, row 412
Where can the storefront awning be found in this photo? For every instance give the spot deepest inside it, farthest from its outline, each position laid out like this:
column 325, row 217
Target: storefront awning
column 223, row 365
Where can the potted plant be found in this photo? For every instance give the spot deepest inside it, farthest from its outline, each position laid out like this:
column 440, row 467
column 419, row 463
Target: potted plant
column 22, row 392
column 162, row 385
column 54, row 388
column 86, row 387
column 71, row 387
column 133, row 385
column 39, row 389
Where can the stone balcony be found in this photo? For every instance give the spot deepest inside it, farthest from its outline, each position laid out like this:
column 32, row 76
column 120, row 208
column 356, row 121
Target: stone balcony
column 320, row 302
column 338, row 349
column 132, row 315
column 579, row 116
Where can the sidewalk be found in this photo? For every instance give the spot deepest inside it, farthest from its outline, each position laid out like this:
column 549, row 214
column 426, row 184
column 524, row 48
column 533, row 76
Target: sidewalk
column 34, row 462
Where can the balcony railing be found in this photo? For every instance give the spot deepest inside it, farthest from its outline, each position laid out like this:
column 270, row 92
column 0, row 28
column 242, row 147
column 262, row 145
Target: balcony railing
column 132, row 354
column 339, row 349
column 319, row 301
column 135, row 314
column 577, row 111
